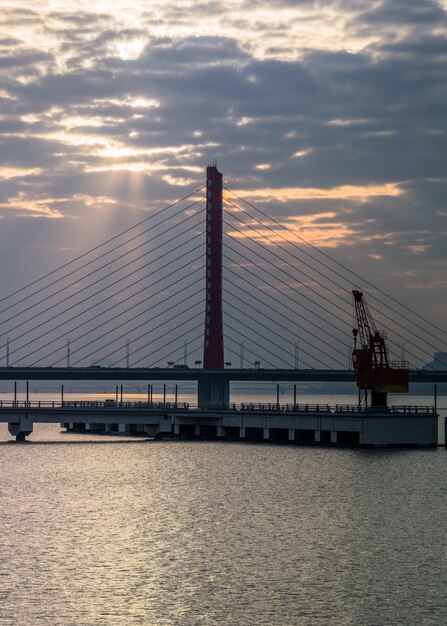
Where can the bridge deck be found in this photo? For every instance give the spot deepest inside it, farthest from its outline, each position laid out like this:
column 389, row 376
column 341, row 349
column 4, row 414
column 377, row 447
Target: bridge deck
column 170, row 374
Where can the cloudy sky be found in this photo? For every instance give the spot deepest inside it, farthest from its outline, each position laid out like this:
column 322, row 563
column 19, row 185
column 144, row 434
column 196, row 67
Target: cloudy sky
column 329, row 116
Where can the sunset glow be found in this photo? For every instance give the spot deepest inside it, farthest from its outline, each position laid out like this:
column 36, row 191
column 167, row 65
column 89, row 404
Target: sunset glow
column 362, row 194
column 311, row 110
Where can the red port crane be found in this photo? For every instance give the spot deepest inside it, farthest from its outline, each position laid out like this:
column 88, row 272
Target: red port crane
column 375, row 372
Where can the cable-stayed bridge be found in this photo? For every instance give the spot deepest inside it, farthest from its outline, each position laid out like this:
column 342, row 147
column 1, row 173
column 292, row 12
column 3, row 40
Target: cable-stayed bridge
column 139, row 298
column 208, row 288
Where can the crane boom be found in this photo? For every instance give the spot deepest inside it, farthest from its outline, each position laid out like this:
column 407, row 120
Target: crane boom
column 374, row 370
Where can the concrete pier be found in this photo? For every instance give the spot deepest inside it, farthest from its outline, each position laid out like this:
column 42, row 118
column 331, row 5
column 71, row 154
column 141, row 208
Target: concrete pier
column 212, row 392
column 343, row 426
column 21, row 427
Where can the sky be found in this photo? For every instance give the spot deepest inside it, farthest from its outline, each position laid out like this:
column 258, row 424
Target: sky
column 329, row 116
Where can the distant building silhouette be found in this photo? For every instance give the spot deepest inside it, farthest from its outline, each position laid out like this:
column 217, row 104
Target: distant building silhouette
column 439, row 362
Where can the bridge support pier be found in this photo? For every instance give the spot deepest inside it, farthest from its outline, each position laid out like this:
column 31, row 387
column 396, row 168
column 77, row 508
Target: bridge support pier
column 213, row 392
column 21, row 429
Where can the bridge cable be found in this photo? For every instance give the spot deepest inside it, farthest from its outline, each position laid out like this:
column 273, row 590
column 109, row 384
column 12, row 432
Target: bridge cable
column 273, row 343
column 293, row 322
column 103, row 243
column 189, row 353
column 177, row 338
column 78, row 338
column 145, row 333
column 105, row 299
column 294, row 278
column 344, row 267
column 249, row 350
column 372, row 307
column 118, row 315
column 252, row 342
column 295, row 312
column 335, row 337
column 146, row 322
column 100, row 257
column 308, row 332
column 244, row 314
column 325, row 287
column 281, row 337
column 99, row 279
column 113, row 295
column 287, row 274
column 104, row 289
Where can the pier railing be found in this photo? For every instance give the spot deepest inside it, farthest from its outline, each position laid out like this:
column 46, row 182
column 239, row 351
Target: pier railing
column 261, row 407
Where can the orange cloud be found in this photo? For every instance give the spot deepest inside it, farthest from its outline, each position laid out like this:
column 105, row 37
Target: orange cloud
column 343, row 192
column 313, row 228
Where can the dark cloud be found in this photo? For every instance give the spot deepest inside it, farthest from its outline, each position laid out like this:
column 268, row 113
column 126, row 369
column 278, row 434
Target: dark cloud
column 399, row 13
column 325, row 119
column 27, row 58
column 196, row 51
column 9, row 41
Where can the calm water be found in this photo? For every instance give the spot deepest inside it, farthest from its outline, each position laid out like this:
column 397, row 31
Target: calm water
column 110, row 531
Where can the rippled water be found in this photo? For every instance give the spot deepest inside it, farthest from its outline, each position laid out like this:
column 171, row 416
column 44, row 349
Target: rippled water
column 110, row 531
